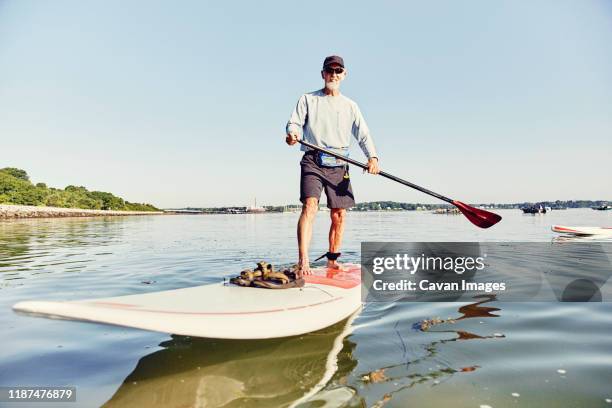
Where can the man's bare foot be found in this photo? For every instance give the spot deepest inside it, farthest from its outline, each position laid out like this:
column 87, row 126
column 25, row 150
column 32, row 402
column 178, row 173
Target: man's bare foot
column 303, row 268
column 335, row 265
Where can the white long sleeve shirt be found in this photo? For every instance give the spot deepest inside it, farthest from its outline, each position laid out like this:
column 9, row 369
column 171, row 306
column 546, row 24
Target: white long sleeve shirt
column 329, row 121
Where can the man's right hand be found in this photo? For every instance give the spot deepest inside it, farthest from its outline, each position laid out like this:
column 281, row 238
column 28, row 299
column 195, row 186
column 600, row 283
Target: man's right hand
column 291, row 139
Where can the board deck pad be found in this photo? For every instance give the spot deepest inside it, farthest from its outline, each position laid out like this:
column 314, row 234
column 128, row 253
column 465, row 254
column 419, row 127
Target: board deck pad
column 222, row 310
column 582, row 230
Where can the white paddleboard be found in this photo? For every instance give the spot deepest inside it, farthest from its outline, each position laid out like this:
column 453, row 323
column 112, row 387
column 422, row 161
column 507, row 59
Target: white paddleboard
column 221, row 310
column 582, row 230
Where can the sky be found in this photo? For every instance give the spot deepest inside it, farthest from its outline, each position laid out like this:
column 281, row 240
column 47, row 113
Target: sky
column 185, row 103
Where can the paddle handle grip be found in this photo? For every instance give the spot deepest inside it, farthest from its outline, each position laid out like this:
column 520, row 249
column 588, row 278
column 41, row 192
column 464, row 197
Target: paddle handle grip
column 382, row 173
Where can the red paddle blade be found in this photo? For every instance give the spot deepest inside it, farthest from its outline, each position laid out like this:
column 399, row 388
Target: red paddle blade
column 477, row 216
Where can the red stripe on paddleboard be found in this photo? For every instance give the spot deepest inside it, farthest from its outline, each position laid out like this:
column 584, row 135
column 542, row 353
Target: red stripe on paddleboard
column 558, row 228
column 590, row 231
column 135, row 308
column 120, row 305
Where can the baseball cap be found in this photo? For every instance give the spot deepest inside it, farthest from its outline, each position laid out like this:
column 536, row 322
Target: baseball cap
column 333, row 59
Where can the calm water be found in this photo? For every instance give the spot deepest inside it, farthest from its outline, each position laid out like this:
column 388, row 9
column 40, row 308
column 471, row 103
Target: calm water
column 496, row 354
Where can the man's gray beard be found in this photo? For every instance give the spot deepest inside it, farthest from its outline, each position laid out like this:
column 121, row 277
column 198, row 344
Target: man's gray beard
column 332, row 86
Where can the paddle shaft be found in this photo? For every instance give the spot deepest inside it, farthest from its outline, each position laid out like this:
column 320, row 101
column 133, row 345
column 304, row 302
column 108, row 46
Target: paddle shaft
column 382, row 173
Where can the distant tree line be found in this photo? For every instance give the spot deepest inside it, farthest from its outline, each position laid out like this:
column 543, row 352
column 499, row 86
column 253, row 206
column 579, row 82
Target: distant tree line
column 397, row 206
column 16, row 188
column 390, row 205
column 558, row 204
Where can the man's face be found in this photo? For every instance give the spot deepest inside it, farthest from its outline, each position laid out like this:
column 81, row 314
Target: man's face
column 333, row 74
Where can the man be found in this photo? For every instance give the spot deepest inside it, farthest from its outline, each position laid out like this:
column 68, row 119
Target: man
column 328, row 119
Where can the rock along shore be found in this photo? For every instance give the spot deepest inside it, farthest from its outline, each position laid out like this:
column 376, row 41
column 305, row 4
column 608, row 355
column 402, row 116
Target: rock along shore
column 30, row 211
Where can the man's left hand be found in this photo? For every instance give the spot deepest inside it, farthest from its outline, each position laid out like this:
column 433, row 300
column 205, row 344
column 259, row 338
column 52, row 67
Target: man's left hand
column 373, row 166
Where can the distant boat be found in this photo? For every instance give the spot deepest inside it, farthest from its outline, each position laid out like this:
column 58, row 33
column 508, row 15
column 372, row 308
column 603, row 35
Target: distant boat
column 254, row 209
column 604, row 207
column 534, row 209
column 291, row 209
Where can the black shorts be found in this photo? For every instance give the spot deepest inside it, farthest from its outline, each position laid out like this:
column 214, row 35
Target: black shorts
column 314, row 178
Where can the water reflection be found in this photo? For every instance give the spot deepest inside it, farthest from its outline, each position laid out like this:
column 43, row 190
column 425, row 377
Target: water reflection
column 197, row 372
column 395, row 378
column 585, row 238
column 30, row 247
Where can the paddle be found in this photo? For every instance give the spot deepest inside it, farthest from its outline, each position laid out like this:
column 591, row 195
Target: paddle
column 477, row 216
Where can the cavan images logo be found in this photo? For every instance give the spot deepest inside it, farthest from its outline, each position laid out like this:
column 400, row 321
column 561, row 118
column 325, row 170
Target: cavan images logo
column 456, row 271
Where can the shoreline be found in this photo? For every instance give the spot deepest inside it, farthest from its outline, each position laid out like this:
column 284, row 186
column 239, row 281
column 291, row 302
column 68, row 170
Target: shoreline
column 11, row 211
